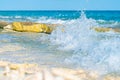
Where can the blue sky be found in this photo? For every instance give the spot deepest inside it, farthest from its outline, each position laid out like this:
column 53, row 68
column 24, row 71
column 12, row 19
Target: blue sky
column 59, row 4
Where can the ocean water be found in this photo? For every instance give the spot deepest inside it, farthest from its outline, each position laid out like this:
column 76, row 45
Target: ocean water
column 73, row 44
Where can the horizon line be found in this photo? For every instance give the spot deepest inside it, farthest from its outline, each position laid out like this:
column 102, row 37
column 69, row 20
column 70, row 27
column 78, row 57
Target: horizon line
column 59, row 10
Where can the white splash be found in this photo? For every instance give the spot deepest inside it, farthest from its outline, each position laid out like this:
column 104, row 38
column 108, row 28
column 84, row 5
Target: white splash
column 92, row 50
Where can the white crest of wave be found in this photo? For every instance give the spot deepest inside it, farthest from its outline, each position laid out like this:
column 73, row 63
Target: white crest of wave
column 74, row 33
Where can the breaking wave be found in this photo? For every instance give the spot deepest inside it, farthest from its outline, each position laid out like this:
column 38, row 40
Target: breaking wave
column 91, row 49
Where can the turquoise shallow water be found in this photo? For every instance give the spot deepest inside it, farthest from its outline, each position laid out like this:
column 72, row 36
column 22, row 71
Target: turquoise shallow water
column 76, row 47
column 30, row 47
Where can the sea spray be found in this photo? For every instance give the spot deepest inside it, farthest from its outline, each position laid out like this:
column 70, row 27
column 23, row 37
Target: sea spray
column 73, row 31
column 91, row 50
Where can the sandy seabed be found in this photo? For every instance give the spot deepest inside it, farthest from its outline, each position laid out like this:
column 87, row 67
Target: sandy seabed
column 26, row 71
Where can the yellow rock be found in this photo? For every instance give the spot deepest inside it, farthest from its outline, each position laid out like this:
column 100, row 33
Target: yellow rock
column 35, row 27
column 17, row 26
column 101, row 29
column 104, row 29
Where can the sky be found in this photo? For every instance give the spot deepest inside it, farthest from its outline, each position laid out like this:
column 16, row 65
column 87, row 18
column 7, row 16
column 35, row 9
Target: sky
column 59, row 4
